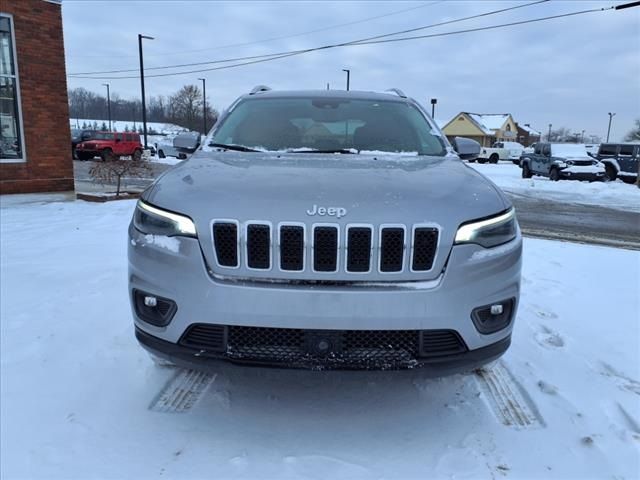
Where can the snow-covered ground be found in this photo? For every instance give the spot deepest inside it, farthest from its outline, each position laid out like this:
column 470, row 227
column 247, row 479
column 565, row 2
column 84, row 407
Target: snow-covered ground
column 616, row 194
column 76, row 389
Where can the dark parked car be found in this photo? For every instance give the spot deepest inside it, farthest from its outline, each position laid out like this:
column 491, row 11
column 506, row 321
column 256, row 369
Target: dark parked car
column 561, row 160
column 620, row 160
column 79, row 135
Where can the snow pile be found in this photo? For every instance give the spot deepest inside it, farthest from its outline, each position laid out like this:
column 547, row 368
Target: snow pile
column 80, row 399
column 617, row 195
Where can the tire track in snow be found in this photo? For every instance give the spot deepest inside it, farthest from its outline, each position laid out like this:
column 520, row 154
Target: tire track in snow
column 182, row 391
column 507, row 399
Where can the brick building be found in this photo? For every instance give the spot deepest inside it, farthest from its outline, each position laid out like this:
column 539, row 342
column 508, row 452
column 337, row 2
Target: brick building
column 527, row 135
column 34, row 114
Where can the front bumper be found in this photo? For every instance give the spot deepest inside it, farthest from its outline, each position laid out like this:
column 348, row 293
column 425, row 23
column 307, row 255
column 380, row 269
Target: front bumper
column 440, row 366
column 582, row 176
column 176, row 270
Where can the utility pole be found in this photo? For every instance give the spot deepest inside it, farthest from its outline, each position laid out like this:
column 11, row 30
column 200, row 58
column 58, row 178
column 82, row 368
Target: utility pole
column 549, row 136
column 611, row 115
column 144, row 105
column 433, row 107
column 348, row 75
column 204, row 105
column 108, row 104
column 582, row 137
column 327, row 85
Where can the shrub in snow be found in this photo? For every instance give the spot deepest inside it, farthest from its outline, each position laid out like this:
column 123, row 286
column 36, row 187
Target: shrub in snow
column 114, row 169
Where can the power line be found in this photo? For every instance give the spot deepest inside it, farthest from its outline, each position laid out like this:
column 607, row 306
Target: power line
column 271, row 39
column 371, row 42
column 399, row 32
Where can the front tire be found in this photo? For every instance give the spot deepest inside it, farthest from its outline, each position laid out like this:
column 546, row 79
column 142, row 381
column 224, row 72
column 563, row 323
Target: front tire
column 494, row 158
column 554, row 175
column 526, row 171
column 610, row 173
column 137, row 156
column 107, row 155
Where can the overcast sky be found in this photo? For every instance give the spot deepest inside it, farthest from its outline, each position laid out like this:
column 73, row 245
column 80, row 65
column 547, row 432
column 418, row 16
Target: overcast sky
column 569, row 72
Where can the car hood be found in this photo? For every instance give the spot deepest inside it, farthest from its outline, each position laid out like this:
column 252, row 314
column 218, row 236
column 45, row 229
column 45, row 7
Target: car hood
column 283, row 187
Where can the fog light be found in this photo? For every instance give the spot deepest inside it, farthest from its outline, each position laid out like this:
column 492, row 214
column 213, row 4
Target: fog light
column 153, row 301
column 155, row 310
column 492, row 318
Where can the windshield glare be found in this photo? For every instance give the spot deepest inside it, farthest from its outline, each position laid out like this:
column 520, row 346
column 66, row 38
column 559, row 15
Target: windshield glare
column 328, row 124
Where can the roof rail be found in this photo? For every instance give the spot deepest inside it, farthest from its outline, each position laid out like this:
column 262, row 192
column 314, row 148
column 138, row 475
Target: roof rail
column 258, row 89
column 397, row 91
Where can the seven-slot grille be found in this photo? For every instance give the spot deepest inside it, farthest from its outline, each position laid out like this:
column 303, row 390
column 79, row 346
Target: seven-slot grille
column 397, row 247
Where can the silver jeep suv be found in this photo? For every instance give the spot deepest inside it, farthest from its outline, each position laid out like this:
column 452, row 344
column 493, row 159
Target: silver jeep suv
column 325, row 230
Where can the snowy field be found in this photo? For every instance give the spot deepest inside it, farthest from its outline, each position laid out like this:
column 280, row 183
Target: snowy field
column 120, row 125
column 508, row 177
column 564, row 402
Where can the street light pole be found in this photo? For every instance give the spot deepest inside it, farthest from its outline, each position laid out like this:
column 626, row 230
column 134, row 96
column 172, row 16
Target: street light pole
column 549, row 136
column 204, row 105
column 611, row 115
column 433, row 107
column 108, row 104
column 144, row 105
column 348, row 75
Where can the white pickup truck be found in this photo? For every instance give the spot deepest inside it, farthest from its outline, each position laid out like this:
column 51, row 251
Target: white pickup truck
column 501, row 151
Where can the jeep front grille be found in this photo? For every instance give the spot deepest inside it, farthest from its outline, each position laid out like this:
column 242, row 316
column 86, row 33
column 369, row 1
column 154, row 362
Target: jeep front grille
column 305, row 348
column 325, row 249
column 225, row 238
column 330, row 248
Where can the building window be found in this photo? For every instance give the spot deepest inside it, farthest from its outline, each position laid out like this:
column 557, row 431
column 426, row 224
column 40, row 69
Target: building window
column 11, row 139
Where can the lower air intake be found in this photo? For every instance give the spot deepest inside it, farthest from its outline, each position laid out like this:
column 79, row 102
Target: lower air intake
column 324, row 349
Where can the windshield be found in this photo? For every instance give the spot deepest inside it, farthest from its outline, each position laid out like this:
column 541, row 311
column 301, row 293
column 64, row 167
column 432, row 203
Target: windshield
column 329, row 124
column 75, row 132
column 569, row 150
column 103, row 136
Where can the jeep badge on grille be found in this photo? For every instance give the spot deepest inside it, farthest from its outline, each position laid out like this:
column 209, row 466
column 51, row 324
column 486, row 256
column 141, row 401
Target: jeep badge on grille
column 338, row 212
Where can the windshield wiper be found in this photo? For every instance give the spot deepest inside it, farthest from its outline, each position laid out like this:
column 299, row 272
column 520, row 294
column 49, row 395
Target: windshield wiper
column 332, row 150
column 230, row 146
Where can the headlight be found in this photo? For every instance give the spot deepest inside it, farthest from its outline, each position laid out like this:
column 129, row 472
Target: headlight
column 490, row 232
column 569, row 162
column 154, row 221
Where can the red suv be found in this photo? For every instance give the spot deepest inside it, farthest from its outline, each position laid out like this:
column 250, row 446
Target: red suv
column 110, row 146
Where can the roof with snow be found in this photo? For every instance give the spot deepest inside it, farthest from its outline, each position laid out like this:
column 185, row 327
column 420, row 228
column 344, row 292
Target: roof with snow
column 529, row 130
column 488, row 122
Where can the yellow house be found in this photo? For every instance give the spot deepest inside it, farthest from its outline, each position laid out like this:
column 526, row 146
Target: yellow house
column 484, row 128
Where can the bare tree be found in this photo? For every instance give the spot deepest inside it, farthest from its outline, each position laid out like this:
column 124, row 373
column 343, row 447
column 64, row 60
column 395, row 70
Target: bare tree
column 634, row 133
column 115, row 169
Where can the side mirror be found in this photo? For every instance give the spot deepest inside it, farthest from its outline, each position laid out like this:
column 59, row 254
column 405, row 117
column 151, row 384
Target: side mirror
column 466, row 148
